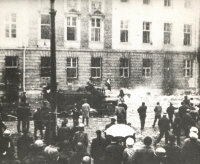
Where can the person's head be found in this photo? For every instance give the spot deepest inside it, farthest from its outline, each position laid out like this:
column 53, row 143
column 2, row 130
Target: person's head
column 7, row 133
column 64, row 124
column 79, row 147
column 38, row 109
column 194, row 130
column 147, row 141
column 86, row 160
column 182, row 103
column 158, row 103
column 172, row 138
column 185, row 97
column 65, row 120
column 65, row 145
column 113, row 120
column 191, row 104
column 33, row 148
column 130, row 142
column 90, row 78
column 193, row 136
column 98, row 132
column 143, row 103
column 40, row 145
column 171, row 104
column 44, row 104
column 160, row 153
column 24, row 93
column 164, row 114
column 188, row 111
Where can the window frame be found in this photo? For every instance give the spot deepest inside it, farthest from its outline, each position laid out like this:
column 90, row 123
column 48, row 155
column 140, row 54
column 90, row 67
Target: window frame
column 145, row 30
column 167, row 33
column 10, row 23
column 45, row 67
column 186, row 33
column 94, row 27
column 11, row 68
column 187, row 68
column 71, row 26
column 123, row 24
column 167, row 3
column 146, row 68
column 72, row 67
column 42, row 24
column 123, row 67
column 96, row 68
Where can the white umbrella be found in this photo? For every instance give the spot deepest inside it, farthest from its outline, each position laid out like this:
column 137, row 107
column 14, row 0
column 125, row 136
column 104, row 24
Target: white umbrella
column 120, row 130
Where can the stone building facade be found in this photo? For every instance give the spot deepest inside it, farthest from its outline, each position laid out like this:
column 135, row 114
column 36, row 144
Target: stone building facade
column 148, row 43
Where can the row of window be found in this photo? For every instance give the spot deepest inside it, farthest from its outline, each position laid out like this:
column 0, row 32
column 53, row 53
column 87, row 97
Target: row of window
column 10, row 30
column 187, row 3
column 96, row 67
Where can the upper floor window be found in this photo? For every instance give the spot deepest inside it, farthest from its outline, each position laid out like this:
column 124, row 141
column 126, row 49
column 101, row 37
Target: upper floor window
column 71, row 28
column 124, row 31
column 187, row 34
column 146, row 2
column 187, row 68
column 96, row 67
column 45, row 26
column 167, row 2
column 167, row 33
column 146, row 71
column 72, row 67
column 95, row 29
column 146, row 32
column 124, row 67
column 45, row 66
column 11, row 25
column 187, row 3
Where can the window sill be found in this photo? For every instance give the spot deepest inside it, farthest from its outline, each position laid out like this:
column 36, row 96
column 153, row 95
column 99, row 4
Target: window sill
column 72, row 44
column 96, row 45
column 72, row 78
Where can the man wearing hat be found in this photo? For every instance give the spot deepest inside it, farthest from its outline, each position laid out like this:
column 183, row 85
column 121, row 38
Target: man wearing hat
column 164, row 128
column 98, row 148
column 182, row 110
column 129, row 151
column 187, row 122
column 142, row 112
column 23, row 145
column 81, row 136
column 191, row 150
column 6, row 146
column 113, row 120
column 173, row 151
column 160, row 156
column 38, row 123
column 158, row 112
column 170, row 111
column 122, row 104
column 85, row 112
column 145, row 154
column 177, row 127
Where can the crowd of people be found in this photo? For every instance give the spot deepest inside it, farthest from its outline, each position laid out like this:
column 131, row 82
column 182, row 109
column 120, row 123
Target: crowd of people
column 71, row 144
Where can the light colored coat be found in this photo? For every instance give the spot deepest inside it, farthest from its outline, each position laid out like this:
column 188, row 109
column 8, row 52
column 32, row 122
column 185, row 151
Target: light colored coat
column 85, row 110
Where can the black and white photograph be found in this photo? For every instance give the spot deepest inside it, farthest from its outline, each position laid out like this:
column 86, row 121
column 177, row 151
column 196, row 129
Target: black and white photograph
column 100, row 81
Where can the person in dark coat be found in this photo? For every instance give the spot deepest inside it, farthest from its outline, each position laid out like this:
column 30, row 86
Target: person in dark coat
column 158, row 112
column 187, row 122
column 76, row 114
column 23, row 97
column 120, row 112
column 113, row 120
column 98, row 148
column 142, row 112
column 38, row 123
column 27, row 114
column 66, row 154
column 164, row 128
column 194, row 115
column 20, row 117
column 177, row 128
column 173, row 151
column 144, row 155
column 7, row 148
column 79, row 154
column 114, row 153
column 81, row 136
column 191, row 150
column 23, row 145
column 122, row 104
column 186, row 101
column 170, row 112
column 182, row 110
column 64, row 132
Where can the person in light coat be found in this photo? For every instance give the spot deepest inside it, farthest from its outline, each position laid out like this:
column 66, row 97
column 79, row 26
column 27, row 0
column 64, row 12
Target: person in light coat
column 85, row 112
